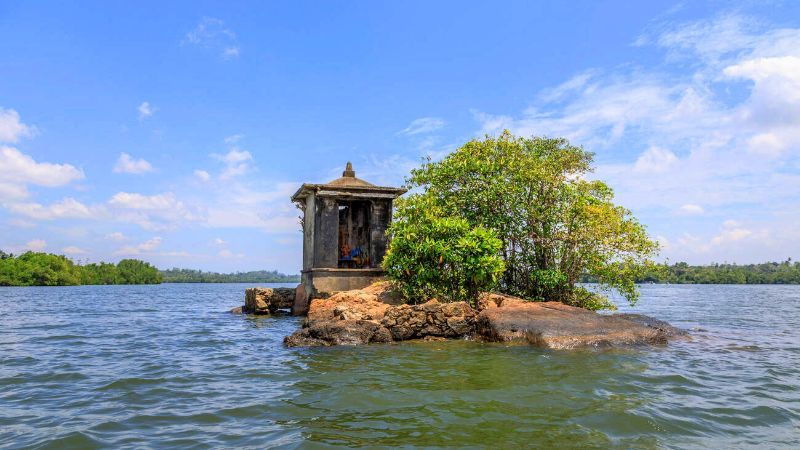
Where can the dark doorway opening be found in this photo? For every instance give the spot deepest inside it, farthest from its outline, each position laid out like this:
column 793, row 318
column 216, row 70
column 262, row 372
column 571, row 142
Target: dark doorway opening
column 354, row 234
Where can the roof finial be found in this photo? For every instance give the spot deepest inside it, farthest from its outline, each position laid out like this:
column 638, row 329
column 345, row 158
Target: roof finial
column 348, row 171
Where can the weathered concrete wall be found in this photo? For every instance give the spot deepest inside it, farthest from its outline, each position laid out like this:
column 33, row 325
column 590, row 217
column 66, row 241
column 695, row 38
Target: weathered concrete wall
column 326, row 245
column 308, row 232
column 379, row 221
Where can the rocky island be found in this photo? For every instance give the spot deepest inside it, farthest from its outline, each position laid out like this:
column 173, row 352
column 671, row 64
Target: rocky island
column 376, row 314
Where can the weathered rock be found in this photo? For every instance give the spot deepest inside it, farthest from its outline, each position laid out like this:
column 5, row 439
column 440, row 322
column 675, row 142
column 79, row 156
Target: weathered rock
column 493, row 300
column 267, row 300
column 450, row 320
column 339, row 332
column 651, row 322
column 237, row 310
column 558, row 326
column 300, row 305
column 384, row 293
column 349, row 305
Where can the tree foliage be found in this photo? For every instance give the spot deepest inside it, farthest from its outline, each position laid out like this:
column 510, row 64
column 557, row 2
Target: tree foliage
column 440, row 257
column 45, row 269
column 554, row 225
column 198, row 276
column 786, row 272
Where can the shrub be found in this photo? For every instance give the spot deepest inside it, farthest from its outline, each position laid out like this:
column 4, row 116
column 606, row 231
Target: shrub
column 443, row 258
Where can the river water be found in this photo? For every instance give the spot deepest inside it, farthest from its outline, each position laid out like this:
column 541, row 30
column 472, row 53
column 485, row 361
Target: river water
column 167, row 366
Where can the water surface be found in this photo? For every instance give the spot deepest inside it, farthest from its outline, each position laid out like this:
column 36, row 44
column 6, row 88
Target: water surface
column 166, row 366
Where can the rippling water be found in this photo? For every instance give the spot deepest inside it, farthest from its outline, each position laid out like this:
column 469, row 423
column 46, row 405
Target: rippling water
column 167, row 366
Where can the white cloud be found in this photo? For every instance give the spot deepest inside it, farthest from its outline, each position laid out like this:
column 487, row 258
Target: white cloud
column 10, row 192
column 72, row 250
column 237, row 162
column 68, row 208
column 766, row 144
column 423, row 125
column 211, row 33
column 145, row 247
column 730, row 235
column 730, row 223
column 11, row 129
column 145, row 110
column 691, row 210
column 655, row 160
column 36, row 245
column 229, row 254
column 234, row 156
column 152, row 212
column 116, row 236
column 126, row 164
column 17, row 167
column 202, row 175
column 219, row 241
column 232, row 139
column 143, row 202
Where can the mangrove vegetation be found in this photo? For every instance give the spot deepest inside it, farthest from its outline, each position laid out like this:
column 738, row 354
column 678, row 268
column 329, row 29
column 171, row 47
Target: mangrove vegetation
column 198, row 276
column 46, row 269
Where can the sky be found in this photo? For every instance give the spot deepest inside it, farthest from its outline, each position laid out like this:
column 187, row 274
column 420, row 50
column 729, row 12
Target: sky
column 175, row 132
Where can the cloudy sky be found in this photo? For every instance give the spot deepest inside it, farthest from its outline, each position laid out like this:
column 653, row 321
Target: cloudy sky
column 176, row 133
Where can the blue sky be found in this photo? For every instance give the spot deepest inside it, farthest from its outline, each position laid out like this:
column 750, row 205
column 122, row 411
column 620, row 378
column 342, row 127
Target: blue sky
column 175, row 133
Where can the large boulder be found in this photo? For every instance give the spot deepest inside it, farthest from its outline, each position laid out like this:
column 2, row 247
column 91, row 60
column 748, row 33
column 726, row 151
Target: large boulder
column 338, row 332
column 559, row 326
column 346, row 318
column 430, row 319
column 349, row 305
column 267, row 300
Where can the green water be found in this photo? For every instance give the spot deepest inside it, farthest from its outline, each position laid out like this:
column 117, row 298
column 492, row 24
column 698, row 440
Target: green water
column 166, row 367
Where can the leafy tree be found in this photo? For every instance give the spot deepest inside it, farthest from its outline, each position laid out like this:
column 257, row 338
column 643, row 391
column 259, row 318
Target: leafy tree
column 44, row 269
column 554, row 224
column 440, row 257
column 133, row 271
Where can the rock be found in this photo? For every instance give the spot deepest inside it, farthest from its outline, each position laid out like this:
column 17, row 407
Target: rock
column 493, row 300
column 364, row 316
column 348, row 305
column 237, row 310
column 558, row 326
column 339, row 332
column 346, row 318
column 300, row 305
column 267, row 300
column 384, row 293
column 648, row 321
column 449, row 320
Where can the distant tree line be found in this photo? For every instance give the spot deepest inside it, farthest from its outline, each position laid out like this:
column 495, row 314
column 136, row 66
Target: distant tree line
column 45, row 269
column 176, row 275
column 786, row 272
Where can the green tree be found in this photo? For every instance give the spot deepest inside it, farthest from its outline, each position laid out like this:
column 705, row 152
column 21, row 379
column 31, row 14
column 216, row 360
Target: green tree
column 440, row 257
column 554, row 224
column 133, row 271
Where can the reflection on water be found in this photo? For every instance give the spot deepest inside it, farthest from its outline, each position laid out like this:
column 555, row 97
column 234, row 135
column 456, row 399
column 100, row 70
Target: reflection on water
column 166, row 366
